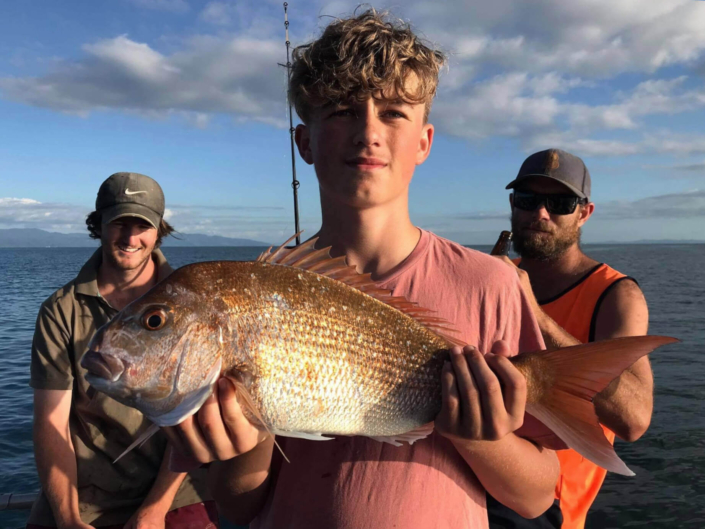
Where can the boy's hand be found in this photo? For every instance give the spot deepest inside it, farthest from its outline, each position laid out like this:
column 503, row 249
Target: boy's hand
column 484, row 396
column 219, row 431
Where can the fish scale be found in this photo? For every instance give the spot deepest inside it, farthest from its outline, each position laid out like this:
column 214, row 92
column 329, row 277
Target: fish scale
column 339, row 393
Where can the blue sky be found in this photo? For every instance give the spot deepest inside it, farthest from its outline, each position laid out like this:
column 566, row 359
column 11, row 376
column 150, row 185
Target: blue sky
column 189, row 92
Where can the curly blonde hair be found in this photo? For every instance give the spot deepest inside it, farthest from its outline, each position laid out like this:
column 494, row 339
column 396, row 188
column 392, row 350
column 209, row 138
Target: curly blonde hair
column 368, row 55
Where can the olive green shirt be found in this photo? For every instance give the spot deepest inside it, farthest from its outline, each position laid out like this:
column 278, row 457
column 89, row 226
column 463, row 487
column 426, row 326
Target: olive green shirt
column 101, row 428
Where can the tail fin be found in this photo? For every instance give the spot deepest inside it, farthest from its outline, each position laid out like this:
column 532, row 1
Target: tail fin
column 579, row 373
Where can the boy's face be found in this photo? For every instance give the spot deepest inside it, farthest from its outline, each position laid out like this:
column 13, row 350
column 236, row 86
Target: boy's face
column 365, row 153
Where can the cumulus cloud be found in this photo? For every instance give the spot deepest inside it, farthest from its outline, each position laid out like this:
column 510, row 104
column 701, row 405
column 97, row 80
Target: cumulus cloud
column 529, row 107
column 596, row 38
column 236, row 76
column 514, row 67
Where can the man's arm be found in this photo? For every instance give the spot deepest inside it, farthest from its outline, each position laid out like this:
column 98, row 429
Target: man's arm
column 625, row 406
column 241, row 454
column 55, row 456
column 484, row 398
column 156, row 505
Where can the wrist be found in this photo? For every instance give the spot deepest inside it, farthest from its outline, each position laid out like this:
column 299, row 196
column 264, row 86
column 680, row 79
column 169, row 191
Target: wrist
column 156, row 507
column 69, row 521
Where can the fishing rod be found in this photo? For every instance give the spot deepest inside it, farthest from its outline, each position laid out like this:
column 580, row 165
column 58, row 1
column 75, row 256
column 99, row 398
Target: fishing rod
column 294, row 182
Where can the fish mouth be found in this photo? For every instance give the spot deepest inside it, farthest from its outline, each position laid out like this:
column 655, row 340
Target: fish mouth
column 103, row 366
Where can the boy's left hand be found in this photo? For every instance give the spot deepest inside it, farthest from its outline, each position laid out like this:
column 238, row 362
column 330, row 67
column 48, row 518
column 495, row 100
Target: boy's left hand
column 484, row 396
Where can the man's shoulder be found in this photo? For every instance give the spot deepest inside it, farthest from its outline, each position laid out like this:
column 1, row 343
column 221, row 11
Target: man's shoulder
column 61, row 298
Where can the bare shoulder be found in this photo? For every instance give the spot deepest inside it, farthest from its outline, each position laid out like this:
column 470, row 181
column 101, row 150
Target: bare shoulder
column 623, row 312
column 625, row 294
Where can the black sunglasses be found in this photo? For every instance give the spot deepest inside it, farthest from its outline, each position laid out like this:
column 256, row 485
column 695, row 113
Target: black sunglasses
column 555, row 204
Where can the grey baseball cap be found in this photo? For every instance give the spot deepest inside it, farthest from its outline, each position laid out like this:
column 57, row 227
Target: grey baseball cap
column 130, row 195
column 557, row 165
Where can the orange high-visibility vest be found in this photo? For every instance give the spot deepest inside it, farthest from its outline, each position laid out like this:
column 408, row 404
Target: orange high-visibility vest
column 575, row 310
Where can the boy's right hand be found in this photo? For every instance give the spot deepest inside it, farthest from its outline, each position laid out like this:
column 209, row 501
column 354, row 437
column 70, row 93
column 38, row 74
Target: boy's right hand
column 218, row 431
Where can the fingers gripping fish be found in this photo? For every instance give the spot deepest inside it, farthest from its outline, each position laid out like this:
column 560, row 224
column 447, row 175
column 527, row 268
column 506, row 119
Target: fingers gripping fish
column 315, row 348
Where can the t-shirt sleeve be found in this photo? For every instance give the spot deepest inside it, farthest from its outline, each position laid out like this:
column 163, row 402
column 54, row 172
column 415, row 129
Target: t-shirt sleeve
column 520, row 329
column 51, row 358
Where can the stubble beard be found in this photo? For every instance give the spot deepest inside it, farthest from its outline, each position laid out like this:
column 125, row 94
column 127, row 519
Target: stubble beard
column 544, row 246
column 116, row 264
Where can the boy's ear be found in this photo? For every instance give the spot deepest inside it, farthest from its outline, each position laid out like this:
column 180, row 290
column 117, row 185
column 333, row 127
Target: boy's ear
column 425, row 143
column 302, row 136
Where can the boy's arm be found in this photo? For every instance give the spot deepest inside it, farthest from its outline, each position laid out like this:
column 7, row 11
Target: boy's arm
column 480, row 414
column 55, row 456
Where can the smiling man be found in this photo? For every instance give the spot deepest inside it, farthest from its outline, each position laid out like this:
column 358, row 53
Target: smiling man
column 363, row 91
column 576, row 300
column 78, row 432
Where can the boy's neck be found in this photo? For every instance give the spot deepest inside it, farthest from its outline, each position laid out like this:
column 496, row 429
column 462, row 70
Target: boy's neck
column 375, row 240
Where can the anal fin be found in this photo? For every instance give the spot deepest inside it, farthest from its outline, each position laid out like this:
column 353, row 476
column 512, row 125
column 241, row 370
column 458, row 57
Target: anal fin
column 302, row 435
column 149, row 432
column 410, row 437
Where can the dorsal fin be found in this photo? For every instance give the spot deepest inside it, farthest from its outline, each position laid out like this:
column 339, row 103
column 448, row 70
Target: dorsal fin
column 307, row 257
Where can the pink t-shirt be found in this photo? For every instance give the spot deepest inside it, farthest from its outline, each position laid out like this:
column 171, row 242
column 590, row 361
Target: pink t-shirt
column 356, row 482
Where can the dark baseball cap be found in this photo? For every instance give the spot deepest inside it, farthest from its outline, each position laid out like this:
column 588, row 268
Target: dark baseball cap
column 557, row 165
column 130, row 195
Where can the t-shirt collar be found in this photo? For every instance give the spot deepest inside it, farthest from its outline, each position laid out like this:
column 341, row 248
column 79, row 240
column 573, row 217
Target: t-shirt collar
column 417, row 253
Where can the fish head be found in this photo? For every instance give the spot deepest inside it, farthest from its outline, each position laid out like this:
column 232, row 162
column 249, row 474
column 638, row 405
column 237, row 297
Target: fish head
column 161, row 354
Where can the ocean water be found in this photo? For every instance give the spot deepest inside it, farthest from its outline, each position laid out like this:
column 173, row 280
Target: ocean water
column 668, row 490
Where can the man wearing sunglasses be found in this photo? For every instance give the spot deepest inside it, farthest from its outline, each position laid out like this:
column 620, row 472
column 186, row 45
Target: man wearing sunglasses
column 575, row 299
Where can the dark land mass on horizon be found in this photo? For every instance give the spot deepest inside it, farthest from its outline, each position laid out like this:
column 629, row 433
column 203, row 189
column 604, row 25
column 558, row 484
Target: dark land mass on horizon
column 36, row 238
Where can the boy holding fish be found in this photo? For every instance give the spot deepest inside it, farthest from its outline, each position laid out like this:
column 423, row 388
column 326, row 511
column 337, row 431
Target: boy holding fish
column 363, row 91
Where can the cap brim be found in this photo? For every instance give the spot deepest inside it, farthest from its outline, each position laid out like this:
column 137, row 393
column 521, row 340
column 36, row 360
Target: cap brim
column 131, row 210
column 513, row 183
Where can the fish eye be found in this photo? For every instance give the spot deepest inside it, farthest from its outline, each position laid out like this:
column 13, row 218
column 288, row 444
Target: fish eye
column 154, row 319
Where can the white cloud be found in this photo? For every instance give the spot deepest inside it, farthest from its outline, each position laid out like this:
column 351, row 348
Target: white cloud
column 236, row 76
column 508, row 105
column 586, row 37
column 251, row 222
column 30, row 213
column 513, row 72
column 174, row 6
column 219, row 13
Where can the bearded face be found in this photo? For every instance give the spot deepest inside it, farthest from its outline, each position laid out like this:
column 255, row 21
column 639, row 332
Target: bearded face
column 542, row 240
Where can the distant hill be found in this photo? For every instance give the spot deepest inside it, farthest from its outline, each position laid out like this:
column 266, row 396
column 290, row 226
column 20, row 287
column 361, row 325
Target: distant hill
column 34, row 238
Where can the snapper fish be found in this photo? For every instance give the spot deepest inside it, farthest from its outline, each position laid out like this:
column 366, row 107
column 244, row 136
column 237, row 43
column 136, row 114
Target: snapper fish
column 315, row 350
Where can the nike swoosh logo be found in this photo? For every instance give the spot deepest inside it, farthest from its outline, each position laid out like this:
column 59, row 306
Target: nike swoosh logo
column 128, row 192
